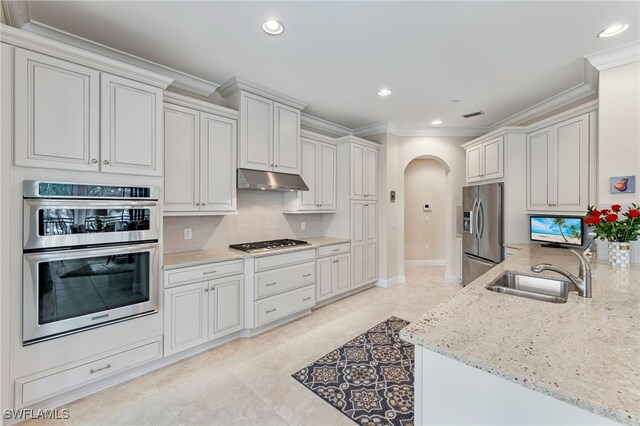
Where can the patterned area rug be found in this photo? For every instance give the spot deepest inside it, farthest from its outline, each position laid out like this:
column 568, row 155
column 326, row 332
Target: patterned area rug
column 369, row 379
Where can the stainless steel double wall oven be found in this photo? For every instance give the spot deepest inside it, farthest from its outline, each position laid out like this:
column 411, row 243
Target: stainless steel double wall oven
column 90, row 256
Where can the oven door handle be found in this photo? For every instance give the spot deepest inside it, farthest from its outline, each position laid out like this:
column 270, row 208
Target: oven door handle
column 85, row 204
column 89, row 252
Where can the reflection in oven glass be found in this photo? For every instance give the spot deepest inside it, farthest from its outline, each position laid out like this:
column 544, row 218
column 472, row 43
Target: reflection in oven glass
column 83, row 221
column 72, row 288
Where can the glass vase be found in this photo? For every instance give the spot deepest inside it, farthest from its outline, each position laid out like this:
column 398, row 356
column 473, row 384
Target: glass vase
column 619, row 254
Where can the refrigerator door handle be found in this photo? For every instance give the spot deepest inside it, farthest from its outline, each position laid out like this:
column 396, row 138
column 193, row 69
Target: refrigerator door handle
column 472, row 219
column 480, row 219
column 477, row 218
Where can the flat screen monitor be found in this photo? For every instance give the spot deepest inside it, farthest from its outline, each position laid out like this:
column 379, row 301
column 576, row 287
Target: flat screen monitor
column 556, row 231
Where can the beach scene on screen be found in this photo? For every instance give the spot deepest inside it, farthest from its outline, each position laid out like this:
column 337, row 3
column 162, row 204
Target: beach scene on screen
column 561, row 230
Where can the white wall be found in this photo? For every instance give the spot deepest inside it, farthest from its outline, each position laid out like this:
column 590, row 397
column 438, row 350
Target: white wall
column 619, row 130
column 259, row 218
column 425, row 182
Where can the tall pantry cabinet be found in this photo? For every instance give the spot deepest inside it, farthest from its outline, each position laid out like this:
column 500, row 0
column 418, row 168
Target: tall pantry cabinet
column 357, row 214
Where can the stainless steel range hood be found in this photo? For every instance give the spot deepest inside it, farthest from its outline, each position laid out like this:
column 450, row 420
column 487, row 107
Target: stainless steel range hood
column 270, row 181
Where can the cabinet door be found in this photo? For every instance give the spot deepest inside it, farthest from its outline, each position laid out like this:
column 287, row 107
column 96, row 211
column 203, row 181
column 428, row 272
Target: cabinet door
column 474, row 164
column 371, row 221
column 309, row 173
column 327, row 176
column 358, row 262
column 538, row 155
column 341, row 274
column 256, row 132
column 324, row 278
column 357, row 172
column 371, row 267
column 57, row 113
column 185, row 317
column 226, row 306
column 217, row 163
column 181, row 163
column 131, row 127
column 371, row 174
column 492, row 155
column 571, row 185
column 358, row 222
column 286, row 139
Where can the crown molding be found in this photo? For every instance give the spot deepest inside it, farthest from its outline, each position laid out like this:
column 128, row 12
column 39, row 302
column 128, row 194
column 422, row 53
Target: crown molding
column 324, row 125
column 395, row 129
column 562, row 99
column 306, row 134
column 186, row 101
column 181, row 80
column 614, row 57
column 355, row 139
column 45, row 45
column 16, row 13
column 236, row 83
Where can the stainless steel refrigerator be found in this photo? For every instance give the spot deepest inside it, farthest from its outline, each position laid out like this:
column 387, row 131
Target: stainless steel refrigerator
column 482, row 230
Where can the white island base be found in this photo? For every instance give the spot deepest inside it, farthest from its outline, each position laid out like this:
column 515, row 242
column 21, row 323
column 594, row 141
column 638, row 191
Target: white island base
column 449, row 392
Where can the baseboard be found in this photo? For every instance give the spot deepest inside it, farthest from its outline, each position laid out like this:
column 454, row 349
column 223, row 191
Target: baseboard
column 454, row 279
column 400, row 279
column 426, row 262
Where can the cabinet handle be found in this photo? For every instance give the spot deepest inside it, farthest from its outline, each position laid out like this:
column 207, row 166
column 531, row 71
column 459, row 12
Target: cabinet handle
column 335, row 250
column 306, row 298
column 94, row 161
column 335, row 261
column 106, row 367
column 105, row 161
column 270, row 284
column 366, row 205
column 209, row 272
column 206, row 289
column 271, row 310
column 306, row 275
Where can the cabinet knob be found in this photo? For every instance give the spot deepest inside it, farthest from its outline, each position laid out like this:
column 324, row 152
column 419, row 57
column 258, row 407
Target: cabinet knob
column 94, row 161
column 206, row 289
column 212, row 288
column 202, row 204
column 105, row 162
column 197, row 204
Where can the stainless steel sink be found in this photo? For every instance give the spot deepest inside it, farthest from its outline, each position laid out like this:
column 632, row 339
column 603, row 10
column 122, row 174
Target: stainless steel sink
column 531, row 287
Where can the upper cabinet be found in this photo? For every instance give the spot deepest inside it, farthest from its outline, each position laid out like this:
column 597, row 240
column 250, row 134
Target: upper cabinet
column 269, row 135
column 558, row 166
column 200, row 157
column 485, row 160
column 364, row 172
column 74, row 117
column 318, row 170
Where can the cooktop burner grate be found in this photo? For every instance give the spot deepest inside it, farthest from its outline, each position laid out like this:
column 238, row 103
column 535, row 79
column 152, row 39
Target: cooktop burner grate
column 268, row 245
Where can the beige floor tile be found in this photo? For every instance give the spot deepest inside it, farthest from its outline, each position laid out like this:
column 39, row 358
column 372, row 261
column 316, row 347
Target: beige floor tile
column 248, row 381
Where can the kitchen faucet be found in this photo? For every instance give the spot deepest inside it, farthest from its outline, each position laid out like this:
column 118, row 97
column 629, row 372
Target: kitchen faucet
column 583, row 282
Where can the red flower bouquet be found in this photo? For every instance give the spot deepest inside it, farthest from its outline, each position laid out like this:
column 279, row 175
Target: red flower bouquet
column 614, row 225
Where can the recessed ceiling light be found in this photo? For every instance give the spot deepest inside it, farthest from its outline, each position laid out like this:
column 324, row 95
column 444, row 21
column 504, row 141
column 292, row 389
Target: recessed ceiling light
column 436, row 122
column 384, row 92
column 272, row 27
column 613, row 30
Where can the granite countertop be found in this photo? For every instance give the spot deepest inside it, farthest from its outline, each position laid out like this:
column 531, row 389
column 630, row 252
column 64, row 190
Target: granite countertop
column 585, row 352
column 202, row 257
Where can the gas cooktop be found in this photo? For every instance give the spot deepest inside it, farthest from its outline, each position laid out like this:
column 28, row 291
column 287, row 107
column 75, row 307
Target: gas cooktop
column 268, row 245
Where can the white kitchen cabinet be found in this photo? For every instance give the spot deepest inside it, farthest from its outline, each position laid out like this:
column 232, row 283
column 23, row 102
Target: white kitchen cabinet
column 200, row 157
column 558, row 166
column 364, row 172
column 131, row 127
column 202, row 311
column 318, row 170
column 364, row 248
column 57, row 113
column 333, row 275
column 269, row 137
column 485, row 160
column 69, row 116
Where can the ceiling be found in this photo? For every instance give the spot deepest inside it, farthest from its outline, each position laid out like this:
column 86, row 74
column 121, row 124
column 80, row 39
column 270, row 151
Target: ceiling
column 498, row 57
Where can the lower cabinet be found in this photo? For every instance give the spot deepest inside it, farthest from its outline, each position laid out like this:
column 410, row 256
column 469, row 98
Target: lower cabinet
column 333, row 276
column 202, row 311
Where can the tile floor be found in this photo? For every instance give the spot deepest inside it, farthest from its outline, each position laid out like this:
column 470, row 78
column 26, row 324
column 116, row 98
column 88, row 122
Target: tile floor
column 247, row 382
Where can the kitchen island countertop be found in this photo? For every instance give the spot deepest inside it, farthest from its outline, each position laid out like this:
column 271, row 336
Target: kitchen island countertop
column 585, row 352
column 202, row 257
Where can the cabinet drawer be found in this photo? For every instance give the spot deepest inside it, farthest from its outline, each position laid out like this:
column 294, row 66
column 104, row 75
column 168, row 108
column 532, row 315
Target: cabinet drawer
column 333, row 250
column 279, row 280
column 286, row 259
column 206, row 272
column 29, row 391
column 280, row 306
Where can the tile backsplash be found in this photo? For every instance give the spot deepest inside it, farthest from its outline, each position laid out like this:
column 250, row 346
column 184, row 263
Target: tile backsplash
column 259, row 218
